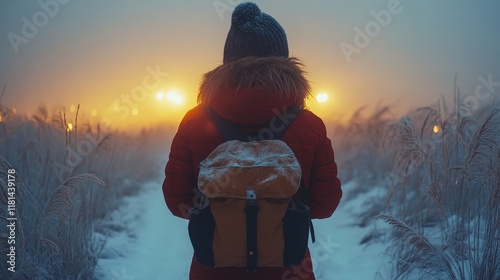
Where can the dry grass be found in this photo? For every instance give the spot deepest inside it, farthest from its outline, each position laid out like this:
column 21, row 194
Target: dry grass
column 447, row 191
column 61, row 202
column 424, row 254
column 442, row 174
column 361, row 138
column 60, row 205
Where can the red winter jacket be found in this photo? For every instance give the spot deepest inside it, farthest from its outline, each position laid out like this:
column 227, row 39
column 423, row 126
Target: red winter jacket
column 251, row 91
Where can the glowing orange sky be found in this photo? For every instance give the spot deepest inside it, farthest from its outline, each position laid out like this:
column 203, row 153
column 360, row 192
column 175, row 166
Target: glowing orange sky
column 94, row 53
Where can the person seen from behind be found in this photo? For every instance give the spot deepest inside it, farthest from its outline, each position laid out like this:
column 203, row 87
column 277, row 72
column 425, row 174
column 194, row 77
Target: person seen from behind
column 255, row 88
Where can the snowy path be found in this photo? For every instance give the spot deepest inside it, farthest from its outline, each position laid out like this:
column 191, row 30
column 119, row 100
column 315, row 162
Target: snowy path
column 337, row 253
column 159, row 247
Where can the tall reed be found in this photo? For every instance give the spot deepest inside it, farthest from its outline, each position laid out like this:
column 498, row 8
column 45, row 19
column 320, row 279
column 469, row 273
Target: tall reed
column 444, row 202
column 62, row 201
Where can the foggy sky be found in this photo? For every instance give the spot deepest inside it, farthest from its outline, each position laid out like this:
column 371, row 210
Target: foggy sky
column 93, row 52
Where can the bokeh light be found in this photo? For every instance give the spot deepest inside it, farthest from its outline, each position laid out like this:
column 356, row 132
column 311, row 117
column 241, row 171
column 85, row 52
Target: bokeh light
column 322, row 97
column 436, row 129
column 175, row 97
column 135, row 111
column 160, row 96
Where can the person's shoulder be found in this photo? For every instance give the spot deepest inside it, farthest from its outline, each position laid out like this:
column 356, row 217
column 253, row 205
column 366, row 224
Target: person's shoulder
column 307, row 129
column 191, row 120
column 312, row 121
column 310, row 116
column 193, row 114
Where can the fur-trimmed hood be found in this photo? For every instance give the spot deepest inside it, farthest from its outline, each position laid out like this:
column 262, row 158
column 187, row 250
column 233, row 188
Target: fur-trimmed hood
column 249, row 90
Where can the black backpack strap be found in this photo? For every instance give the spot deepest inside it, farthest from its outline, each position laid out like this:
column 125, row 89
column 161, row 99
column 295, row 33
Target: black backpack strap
column 276, row 129
column 280, row 123
column 251, row 212
column 227, row 129
column 304, row 200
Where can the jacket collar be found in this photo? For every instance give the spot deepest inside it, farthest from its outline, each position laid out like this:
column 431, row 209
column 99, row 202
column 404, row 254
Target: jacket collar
column 251, row 90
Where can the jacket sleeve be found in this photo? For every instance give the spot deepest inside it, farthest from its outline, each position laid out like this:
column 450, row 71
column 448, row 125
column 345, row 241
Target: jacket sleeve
column 179, row 186
column 324, row 185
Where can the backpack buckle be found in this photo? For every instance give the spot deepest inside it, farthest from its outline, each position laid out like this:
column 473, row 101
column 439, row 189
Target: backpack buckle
column 251, row 198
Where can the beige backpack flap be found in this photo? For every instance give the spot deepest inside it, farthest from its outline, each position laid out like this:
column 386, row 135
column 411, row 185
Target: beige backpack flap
column 268, row 167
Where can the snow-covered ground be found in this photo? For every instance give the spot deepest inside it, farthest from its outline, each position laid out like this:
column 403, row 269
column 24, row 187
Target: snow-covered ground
column 344, row 258
column 157, row 246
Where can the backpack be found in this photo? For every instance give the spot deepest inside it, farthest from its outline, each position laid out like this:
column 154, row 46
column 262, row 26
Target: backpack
column 249, row 215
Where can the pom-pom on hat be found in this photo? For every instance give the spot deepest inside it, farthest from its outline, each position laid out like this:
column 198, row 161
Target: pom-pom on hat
column 254, row 33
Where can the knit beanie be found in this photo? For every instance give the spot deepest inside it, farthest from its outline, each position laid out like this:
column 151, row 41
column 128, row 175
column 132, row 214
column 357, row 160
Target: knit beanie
column 254, row 33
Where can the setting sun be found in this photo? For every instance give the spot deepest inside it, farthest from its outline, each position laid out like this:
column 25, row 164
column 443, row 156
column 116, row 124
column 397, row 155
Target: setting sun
column 69, row 127
column 175, row 97
column 322, row 97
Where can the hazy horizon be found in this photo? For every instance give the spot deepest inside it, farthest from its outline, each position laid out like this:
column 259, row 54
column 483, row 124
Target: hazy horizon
column 96, row 53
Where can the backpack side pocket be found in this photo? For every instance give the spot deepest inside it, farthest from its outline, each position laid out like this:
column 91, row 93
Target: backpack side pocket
column 296, row 234
column 201, row 229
